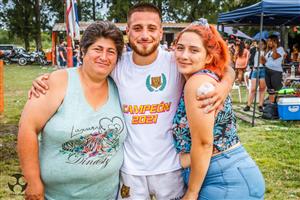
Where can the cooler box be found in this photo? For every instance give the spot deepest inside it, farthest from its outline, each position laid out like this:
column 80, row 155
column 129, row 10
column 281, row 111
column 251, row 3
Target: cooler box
column 289, row 108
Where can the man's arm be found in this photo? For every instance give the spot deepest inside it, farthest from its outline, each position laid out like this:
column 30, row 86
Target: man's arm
column 39, row 86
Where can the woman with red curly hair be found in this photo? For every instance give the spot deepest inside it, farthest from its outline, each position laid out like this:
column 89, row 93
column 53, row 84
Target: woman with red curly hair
column 216, row 166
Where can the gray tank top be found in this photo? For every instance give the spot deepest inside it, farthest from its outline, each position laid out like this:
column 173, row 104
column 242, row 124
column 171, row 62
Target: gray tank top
column 81, row 150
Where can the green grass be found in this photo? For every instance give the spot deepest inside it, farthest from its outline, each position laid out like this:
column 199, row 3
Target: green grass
column 17, row 82
column 274, row 146
column 276, row 149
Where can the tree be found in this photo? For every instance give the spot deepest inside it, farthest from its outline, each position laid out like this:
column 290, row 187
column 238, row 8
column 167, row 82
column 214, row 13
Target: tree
column 172, row 10
column 94, row 9
column 90, row 9
column 228, row 5
column 188, row 11
column 118, row 10
column 26, row 18
column 37, row 25
column 19, row 19
column 53, row 9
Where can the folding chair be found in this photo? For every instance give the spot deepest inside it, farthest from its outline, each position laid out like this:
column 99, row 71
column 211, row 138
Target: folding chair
column 237, row 87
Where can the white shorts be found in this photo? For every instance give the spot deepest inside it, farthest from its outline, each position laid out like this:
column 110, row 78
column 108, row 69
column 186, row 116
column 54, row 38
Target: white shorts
column 168, row 186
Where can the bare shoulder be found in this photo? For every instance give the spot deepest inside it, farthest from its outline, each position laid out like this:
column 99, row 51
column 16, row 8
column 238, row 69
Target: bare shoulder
column 196, row 81
column 58, row 80
column 59, row 75
column 195, row 114
column 57, row 85
column 35, row 113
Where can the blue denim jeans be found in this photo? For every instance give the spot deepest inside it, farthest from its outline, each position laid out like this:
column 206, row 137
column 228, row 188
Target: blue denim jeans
column 261, row 75
column 62, row 64
column 231, row 175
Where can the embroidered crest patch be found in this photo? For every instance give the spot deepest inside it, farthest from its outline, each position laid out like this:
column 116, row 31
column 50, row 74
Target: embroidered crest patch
column 125, row 191
column 156, row 83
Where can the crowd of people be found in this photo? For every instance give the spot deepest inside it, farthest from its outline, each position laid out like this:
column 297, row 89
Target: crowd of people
column 258, row 59
column 141, row 124
column 263, row 60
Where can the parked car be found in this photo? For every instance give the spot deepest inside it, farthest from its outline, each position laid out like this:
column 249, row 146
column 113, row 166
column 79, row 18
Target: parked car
column 10, row 53
column 6, row 48
column 22, row 57
column 11, row 56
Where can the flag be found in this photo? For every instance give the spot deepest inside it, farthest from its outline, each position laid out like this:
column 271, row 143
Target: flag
column 72, row 21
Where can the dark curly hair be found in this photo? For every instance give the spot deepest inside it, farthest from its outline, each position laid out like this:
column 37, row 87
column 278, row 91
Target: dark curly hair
column 102, row 29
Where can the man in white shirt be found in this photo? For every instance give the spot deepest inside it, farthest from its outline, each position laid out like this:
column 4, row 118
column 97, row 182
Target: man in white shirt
column 150, row 87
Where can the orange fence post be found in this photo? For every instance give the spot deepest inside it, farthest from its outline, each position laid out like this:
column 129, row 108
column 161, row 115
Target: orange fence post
column 69, row 52
column 1, row 86
column 53, row 49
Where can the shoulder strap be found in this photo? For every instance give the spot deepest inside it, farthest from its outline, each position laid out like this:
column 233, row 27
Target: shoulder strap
column 208, row 73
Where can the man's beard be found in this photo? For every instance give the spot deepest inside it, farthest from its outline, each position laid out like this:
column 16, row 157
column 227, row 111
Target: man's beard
column 144, row 52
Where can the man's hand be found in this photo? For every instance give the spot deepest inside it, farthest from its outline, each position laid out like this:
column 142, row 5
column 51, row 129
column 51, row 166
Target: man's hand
column 214, row 100
column 190, row 196
column 39, row 86
column 185, row 160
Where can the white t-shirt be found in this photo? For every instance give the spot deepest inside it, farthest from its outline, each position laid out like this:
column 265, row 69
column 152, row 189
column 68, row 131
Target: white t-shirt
column 256, row 58
column 275, row 64
column 149, row 96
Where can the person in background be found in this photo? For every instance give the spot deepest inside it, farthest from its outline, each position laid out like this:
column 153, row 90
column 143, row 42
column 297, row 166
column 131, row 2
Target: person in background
column 252, row 52
column 62, row 54
column 295, row 55
column 258, row 68
column 216, row 165
column 76, row 56
column 126, row 48
column 82, row 128
column 241, row 60
column 12, row 53
column 172, row 47
column 273, row 64
column 165, row 46
column 247, row 45
column 231, row 47
column 247, row 74
column 75, row 59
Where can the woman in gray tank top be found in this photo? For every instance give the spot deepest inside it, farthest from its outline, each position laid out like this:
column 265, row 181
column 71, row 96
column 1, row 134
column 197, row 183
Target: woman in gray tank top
column 80, row 124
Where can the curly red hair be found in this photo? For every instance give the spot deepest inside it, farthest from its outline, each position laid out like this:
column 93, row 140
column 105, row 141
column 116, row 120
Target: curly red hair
column 214, row 45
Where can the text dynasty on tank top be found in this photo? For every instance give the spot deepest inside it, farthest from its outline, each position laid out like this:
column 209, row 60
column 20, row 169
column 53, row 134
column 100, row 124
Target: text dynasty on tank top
column 81, row 149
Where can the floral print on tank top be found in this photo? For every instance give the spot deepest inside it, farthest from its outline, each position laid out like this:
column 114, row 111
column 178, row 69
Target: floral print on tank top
column 225, row 133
